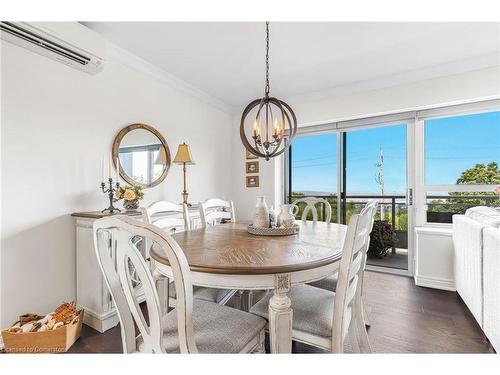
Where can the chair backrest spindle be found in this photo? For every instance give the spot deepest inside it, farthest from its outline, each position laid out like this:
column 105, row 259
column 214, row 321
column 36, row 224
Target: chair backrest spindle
column 311, row 203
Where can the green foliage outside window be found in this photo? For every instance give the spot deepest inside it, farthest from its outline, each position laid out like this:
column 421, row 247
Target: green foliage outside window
column 480, row 174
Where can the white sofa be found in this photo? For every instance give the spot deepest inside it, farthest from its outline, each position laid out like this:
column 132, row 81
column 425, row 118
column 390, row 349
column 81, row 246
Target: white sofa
column 476, row 240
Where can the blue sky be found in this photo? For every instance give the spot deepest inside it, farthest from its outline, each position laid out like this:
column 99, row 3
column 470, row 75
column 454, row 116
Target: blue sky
column 452, row 145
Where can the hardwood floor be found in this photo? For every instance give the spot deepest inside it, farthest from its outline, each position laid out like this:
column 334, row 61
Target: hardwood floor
column 404, row 319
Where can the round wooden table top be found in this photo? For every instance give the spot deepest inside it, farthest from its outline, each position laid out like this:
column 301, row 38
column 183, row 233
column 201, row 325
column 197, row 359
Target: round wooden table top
column 230, row 249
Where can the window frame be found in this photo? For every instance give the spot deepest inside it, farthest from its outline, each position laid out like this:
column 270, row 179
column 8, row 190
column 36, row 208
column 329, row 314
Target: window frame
column 422, row 188
column 416, row 134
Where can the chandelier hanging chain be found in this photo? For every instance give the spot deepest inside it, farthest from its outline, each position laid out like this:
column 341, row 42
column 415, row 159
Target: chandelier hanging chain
column 267, row 59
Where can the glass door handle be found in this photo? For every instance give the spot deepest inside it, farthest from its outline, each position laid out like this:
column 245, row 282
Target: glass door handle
column 409, row 197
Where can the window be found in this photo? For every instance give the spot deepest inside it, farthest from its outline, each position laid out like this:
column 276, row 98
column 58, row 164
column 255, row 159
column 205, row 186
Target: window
column 314, row 169
column 462, row 161
column 139, row 162
column 454, row 145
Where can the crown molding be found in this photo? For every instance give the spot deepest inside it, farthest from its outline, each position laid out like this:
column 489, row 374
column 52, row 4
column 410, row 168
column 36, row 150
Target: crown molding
column 491, row 60
column 437, row 71
column 127, row 58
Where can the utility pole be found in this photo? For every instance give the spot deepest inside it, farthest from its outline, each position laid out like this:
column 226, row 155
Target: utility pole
column 379, row 178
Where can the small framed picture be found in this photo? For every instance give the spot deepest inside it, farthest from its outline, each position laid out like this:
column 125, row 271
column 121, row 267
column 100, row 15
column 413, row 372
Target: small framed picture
column 252, row 181
column 249, row 155
column 252, row 166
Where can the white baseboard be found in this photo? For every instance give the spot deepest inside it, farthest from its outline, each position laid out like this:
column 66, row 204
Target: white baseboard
column 435, row 283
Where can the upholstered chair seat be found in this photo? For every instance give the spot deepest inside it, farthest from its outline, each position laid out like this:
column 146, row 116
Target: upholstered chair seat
column 328, row 283
column 312, row 310
column 205, row 294
column 217, row 329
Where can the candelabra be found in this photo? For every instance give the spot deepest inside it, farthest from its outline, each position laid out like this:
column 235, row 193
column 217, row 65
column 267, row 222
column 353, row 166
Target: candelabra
column 110, row 191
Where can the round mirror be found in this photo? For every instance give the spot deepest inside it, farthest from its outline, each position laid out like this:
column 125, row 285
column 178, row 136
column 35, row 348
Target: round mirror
column 143, row 155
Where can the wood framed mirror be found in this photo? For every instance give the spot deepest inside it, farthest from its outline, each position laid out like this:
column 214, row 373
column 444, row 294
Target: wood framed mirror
column 143, row 155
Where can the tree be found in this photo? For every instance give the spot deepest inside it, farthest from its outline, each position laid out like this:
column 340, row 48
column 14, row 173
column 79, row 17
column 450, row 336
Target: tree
column 480, row 174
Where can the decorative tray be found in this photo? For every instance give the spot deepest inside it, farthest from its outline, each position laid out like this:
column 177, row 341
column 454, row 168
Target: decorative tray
column 274, row 231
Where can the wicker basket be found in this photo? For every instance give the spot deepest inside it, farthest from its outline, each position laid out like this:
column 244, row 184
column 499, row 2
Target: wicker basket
column 274, row 231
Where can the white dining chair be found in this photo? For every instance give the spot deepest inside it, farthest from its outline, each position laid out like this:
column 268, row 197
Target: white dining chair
column 324, row 318
column 216, row 211
column 330, row 282
column 310, row 206
column 194, row 326
column 174, row 218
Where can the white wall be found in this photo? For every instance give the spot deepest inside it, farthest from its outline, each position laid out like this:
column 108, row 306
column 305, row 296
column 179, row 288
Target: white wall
column 320, row 108
column 57, row 123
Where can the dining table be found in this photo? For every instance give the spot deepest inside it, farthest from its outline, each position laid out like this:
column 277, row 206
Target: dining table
column 226, row 256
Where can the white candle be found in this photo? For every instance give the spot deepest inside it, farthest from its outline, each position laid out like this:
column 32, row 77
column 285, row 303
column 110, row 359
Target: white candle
column 110, row 165
column 117, row 174
column 103, row 163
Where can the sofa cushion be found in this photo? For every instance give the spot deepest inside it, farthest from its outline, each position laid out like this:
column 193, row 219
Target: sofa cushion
column 484, row 215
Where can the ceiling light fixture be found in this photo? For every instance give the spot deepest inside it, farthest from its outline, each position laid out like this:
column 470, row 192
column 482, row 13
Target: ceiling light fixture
column 271, row 132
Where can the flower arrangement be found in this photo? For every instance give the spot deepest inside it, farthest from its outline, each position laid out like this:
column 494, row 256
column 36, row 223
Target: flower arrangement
column 131, row 196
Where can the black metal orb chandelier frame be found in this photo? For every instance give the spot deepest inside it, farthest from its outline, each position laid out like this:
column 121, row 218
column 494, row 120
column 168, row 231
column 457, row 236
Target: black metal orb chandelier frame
column 269, row 127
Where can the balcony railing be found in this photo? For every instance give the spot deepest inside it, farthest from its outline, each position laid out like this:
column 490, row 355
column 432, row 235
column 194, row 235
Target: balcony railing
column 440, row 208
column 392, row 206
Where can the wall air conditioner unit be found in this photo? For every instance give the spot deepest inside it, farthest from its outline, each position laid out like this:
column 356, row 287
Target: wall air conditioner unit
column 67, row 42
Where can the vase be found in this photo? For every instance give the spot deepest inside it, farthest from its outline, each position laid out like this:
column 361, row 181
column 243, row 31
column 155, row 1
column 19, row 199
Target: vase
column 131, row 205
column 272, row 217
column 261, row 216
column 286, row 218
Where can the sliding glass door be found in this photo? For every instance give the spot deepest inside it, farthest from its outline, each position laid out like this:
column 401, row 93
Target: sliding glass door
column 375, row 167
column 350, row 167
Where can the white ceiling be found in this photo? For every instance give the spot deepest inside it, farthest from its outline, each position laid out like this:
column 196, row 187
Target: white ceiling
column 226, row 60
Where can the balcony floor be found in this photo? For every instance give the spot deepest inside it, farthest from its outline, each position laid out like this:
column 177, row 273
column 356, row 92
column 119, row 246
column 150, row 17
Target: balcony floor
column 399, row 260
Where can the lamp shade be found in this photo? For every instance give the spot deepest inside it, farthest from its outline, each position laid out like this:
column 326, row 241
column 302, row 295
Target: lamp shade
column 161, row 158
column 183, row 155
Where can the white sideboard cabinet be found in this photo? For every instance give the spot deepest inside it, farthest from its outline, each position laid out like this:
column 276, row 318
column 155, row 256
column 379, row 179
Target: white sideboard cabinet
column 91, row 290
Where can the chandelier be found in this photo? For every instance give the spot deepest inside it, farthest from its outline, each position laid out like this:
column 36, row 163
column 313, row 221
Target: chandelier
column 271, row 124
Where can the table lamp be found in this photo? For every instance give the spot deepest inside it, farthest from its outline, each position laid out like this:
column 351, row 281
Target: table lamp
column 184, row 157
